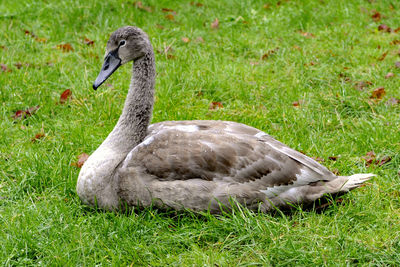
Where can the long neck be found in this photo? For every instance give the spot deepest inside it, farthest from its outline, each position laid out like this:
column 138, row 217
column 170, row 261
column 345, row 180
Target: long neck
column 132, row 125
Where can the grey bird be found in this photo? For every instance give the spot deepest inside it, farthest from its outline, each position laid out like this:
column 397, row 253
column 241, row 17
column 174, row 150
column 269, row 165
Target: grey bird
column 198, row 165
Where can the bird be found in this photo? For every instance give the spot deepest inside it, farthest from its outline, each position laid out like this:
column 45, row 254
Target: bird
column 197, row 165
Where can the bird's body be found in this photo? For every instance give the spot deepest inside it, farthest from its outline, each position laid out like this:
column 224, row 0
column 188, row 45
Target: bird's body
column 197, row 165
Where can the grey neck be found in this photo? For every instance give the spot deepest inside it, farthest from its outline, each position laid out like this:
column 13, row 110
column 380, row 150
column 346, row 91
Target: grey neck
column 132, row 125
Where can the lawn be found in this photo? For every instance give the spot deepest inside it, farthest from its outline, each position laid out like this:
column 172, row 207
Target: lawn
column 309, row 73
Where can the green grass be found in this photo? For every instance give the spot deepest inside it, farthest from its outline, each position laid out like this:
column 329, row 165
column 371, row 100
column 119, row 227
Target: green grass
column 42, row 221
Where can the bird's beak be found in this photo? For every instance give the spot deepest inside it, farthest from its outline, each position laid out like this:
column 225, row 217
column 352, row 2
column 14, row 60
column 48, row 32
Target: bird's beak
column 111, row 63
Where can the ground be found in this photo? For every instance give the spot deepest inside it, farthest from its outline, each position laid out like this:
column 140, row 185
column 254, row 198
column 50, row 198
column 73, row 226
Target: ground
column 309, row 73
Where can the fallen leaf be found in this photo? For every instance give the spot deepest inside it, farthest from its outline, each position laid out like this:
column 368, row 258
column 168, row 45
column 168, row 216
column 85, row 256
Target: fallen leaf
column 383, row 160
column 160, row 26
column 269, row 53
column 4, row 68
column 215, row 24
column 81, row 160
column 185, row 40
column 25, row 113
column 65, row 96
column 215, row 105
column 369, row 158
column 297, row 103
column 88, row 41
column 37, row 39
column 196, row 4
column 18, row 65
column 312, row 63
column 361, row 85
column 170, row 17
column 382, row 57
column 38, row 136
column 333, row 158
column 29, row 33
column 378, row 94
column 3, row 47
column 397, row 29
column 389, row 75
column 343, row 76
column 40, row 39
column 200, row 39
column 395, row 42
column 393, row 101
column 384, row 28
column 397, row 64
column 376, row 16
column 139, row 5
column 167, row 10
column 65, row 47
column 306, row 34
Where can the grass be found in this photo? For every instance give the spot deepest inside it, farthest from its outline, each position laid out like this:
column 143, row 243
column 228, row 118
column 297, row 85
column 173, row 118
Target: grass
column 42, row 221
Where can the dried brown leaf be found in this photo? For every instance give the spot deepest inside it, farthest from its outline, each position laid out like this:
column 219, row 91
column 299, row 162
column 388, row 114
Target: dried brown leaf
column 87, row 41
column 3, row 47
column 18, row 65
column 297, row 103
column 378, row 94
column 215, row 105
column 139, row 5
column 4, row 68
column 383, row 56
column 333, row 158
column 389, row 75
column 170, row 17
column 395, row 42
column 369, row 158
column 361, row 85
column 269, row 53
column 167, row 10
column 22, row 114
column 160, row 26
column 196, row 4
column 397, row 29
column 215, row 24
column 40, row 39
column 384, row 28
column 38, row 136
column 65, row 47
column 383, row 160
column 376, row 16
column 81, row 160
column 65, row 96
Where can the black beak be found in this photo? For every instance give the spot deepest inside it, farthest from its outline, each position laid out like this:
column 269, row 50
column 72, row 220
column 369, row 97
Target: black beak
column 111, row 63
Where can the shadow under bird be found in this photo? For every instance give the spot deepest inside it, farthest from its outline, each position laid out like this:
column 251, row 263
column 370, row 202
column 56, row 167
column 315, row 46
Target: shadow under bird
column 198, row 165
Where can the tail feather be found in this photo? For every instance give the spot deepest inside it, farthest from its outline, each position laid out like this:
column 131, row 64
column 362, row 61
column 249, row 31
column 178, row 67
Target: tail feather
column 354, row 181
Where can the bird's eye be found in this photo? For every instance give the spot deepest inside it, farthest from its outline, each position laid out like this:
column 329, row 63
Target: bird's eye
column 122, row 43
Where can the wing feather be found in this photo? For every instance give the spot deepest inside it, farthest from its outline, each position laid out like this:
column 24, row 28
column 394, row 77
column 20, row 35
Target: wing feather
column 223, row 151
